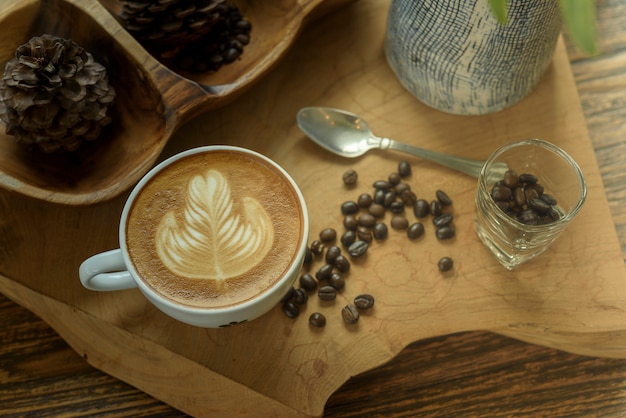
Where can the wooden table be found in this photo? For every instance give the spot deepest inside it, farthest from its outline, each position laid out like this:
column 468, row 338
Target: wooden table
column 466, row 374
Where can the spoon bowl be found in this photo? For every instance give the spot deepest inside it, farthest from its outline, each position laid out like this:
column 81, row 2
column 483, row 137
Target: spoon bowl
column 347, row 135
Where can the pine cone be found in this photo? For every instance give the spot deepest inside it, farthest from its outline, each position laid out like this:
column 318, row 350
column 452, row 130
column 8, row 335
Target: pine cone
column 168, row 23
column 194, row 35
column 53, row 95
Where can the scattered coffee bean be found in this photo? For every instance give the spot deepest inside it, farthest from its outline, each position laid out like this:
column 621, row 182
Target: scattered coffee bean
column 324, row 272
column 358, row 248
column 404, row 168
column 327, row 293
column 308, row 282
column 445, row 264
column 317, row 320
column 350, row 177
column 399, row 222
column 332, row 253
column 380, row 231
column 337, row 281
column 381, row 185
column 348, row 238
column 443, row 198
column 365, row 200
column 328, row 235
column 435, row 208
column 444, row 219
column 390, row 197
column 342, row 264
column 300, row 296
column 308, row 256
column 377, row 210
column 288, row 295
column 401, row 188
column 367, row 220
column 364, row 301
column 408, row 197
column 379, row 197
column 396, row 207
column 421, row 208
column 395, row 178
column 364, row 234
column 445, row 232
column 350, row 314
column 415, row 231
column 317, row 247
column 290, row 309
column 350, row 222
column 349, row 208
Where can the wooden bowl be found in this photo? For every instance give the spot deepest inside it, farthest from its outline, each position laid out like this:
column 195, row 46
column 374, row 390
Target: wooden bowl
column 152, row 100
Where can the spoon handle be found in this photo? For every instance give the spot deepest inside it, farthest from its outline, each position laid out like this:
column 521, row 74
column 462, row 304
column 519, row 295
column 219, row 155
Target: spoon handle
column 464, row 165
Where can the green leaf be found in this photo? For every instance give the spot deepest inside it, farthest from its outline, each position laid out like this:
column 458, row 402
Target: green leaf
column 579, row 17
column 499, row 10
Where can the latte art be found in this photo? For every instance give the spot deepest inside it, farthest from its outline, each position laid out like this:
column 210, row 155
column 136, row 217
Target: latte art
column 212, row 241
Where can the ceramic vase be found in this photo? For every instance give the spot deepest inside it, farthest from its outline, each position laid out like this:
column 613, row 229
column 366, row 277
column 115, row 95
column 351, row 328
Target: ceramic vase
column 456, row 57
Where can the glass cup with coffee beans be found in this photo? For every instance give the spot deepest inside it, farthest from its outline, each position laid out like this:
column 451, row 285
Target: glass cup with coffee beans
column 522, row 210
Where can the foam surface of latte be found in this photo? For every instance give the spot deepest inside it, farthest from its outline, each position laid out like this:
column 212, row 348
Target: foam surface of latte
column 214, row 229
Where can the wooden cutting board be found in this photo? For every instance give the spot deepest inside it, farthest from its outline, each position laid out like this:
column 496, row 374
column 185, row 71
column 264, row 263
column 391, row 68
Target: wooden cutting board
column 573, row 297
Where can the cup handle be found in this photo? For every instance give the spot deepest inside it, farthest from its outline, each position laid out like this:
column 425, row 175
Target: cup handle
column 106, row 272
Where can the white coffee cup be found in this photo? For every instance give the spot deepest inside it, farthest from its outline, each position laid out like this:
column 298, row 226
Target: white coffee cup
column 213, row 236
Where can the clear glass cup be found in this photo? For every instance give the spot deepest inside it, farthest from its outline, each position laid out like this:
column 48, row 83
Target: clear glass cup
column 511, row 241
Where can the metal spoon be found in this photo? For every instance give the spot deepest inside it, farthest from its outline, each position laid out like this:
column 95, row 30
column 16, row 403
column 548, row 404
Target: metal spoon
column 346, row 134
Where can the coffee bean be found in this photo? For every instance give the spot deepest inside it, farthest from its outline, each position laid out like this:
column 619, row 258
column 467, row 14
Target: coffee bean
column 435, row 208
column 332, row 253
column 377, row 210
column 365, row 200
column 364, row 301
column 342, row 264
column 381, row 185
column 395, row 178
column 390, row 197
column 421, row 208
column 288, row 295
column 367, row 220
column 408, row 197
column 358, row 248
column 548, row 198
column 539, row 206
column 349, row 208
column 415, row 231
column 317, row 320
column 308, row 282
column 328, row 235
column 327, row 293
column 350, row 314
column 348, row 238
column 528, row 217
column 350, row 177
column 317, row 247
column 530, row 193
column 364, row 234
column 519, row 197
column 445, row 264
column 510, row 179
column 401, row 188
column 445, row 232
column 444, row 219
column 290, row 309
column 528, row 178
column 443, row 198
column 350, row 222
column 404, row 168
column 396, row 207
column 308, row 256
column 380, row 231
column 324, row 272
column 501, row 193
column 379, row 197
column 300, row 296
column 399, row 222
column 337, row 281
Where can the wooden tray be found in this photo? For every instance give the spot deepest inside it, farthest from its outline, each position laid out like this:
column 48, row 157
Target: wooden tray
column 571, row 298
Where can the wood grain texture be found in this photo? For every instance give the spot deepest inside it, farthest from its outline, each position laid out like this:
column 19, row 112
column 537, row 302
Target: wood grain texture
column 462, row 374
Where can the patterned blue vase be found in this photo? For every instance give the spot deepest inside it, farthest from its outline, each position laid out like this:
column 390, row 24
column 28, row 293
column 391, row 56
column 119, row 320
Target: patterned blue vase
column 455, row 56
